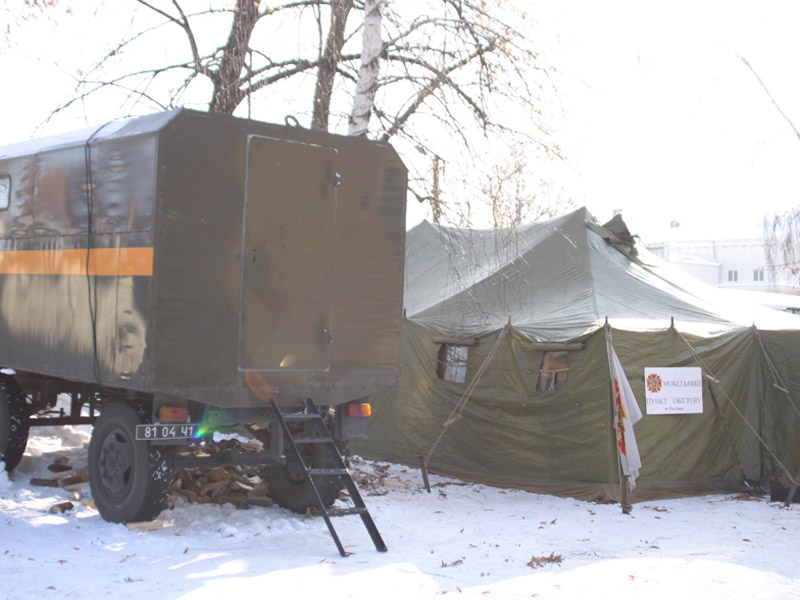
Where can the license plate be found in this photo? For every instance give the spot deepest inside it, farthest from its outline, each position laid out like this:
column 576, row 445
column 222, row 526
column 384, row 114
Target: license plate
column 166, row 431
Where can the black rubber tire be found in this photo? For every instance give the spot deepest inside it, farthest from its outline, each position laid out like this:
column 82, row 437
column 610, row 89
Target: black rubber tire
column 288, row 486
column 14, row 422
column 129, row 479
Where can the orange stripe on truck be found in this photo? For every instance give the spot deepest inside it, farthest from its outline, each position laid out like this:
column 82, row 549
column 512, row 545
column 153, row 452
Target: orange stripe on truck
column 102, row 261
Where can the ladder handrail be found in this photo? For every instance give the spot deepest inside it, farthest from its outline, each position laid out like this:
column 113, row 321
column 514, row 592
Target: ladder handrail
column 340, row 469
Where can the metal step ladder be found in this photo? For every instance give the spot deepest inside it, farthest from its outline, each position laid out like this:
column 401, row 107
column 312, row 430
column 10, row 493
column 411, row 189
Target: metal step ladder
column 321, row 435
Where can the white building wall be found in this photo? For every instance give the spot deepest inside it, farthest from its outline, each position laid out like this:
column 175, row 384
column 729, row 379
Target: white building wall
column 735, row 264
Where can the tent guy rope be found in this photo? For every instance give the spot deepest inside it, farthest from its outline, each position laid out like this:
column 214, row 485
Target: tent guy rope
column 699, row 360
column 455, row 414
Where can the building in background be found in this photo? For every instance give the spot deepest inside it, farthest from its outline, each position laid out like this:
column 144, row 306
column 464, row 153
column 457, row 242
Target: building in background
column 736, row 265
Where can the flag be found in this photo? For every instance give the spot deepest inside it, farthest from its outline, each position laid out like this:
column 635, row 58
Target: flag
column 626, row 414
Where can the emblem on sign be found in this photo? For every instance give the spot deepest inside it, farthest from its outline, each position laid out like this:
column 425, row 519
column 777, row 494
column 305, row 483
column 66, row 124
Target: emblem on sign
column 654, row 383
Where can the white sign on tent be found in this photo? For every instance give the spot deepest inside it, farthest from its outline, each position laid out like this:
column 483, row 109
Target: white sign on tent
column 673, row 390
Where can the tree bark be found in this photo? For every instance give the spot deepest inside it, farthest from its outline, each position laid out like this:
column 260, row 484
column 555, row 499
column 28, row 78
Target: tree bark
column 370, row 66
column 227, row 80
column 340, row 9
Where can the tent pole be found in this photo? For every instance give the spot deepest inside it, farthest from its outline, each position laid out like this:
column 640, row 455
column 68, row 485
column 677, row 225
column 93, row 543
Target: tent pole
column 792, row 491
column 624, row 487
column 624, row 493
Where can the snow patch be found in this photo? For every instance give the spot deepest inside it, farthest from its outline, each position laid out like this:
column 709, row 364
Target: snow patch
column 5, row 482
column 466, row 539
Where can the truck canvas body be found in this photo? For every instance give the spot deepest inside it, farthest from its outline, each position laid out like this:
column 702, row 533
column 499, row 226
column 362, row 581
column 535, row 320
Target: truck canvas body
column 195, row 268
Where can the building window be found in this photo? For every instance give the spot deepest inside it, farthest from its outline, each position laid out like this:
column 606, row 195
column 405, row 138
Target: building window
column 733, row 276
column 758, row 275
column 5, row 192
column 452, row 363
column 553, row 373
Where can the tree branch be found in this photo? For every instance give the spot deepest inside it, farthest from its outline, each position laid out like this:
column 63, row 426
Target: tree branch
column 774, row 103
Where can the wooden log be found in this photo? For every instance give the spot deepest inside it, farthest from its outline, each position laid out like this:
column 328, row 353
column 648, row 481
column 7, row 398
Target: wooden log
column 57, row 467
column 44, row 481
column 76, row 482
column 61, row 507
column 145, row 526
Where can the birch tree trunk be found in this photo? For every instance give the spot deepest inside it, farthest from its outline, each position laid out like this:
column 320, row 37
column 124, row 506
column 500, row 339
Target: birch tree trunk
column 367, row 84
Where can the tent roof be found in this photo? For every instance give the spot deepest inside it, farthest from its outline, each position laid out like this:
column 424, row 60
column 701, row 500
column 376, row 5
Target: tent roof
column 559, row 280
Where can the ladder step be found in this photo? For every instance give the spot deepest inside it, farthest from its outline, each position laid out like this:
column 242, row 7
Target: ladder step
column 341, row 512
column 316, row 424
column 313, row 440
column 341, row 472
column 302, row 417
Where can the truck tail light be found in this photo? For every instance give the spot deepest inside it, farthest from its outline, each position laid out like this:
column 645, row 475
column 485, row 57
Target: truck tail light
column 359, row 409
column 173, row 414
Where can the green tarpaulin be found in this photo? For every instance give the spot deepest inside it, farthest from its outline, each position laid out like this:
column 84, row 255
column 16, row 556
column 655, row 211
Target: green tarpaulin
column 540, row 417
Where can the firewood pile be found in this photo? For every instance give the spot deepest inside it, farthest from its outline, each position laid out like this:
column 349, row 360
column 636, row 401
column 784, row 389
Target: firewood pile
column 241, row 486
column 374, row 479
column 63, row 476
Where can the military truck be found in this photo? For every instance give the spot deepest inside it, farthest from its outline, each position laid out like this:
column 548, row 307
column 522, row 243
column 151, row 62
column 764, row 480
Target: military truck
column 180, row 273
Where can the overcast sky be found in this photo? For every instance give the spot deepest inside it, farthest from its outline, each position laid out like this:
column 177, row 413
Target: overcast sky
column 659, row 116
column 663, row 119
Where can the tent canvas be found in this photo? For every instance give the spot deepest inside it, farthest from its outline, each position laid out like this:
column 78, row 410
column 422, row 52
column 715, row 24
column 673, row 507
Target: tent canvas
column 541, row 417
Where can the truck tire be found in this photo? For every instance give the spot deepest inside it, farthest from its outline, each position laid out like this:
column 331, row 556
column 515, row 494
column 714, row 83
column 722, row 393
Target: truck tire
column 129, row 479
column 13, row 422
column 288, row 486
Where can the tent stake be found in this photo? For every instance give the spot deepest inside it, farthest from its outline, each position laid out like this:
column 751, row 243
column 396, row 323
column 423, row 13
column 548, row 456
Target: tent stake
column 625, row 500
column 792, row 492
column 423, row 467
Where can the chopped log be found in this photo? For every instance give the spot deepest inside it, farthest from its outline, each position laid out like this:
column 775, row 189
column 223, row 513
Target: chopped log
column 260, row 501
column 76, row 482
column 61, row 507
column 61, row 474
column 211, row 487
column 44, row 481
column 238, row 501
column 145, row 526
column 58, row 467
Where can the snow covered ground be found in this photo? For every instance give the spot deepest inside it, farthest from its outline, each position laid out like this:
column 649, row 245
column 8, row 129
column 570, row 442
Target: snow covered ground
column 463, row 539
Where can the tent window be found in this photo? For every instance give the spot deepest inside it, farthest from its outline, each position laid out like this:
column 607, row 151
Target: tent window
column 452, row 363
column 553, row 373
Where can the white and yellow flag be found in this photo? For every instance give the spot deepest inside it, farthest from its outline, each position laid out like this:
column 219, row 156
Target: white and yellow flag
column 626, row 415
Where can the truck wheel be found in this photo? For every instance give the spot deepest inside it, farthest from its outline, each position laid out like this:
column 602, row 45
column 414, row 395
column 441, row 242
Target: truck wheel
column 13, row 422
column 129, row 479
column 288, row 485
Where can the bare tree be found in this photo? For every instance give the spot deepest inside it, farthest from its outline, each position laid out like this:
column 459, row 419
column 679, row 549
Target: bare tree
column 436, row 77
column 781, row 231
column 507, row 186
column 15, row 13
column 782, row 244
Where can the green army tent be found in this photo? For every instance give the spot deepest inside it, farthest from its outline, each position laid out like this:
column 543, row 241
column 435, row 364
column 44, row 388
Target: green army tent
column 505, row 340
